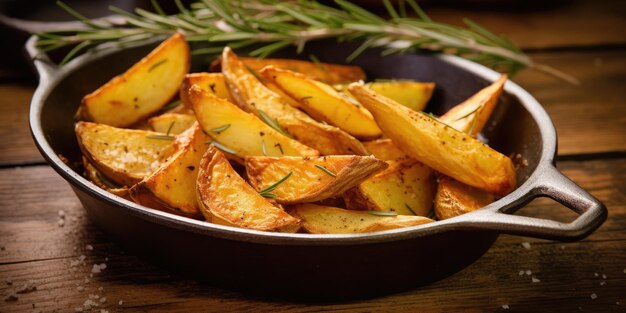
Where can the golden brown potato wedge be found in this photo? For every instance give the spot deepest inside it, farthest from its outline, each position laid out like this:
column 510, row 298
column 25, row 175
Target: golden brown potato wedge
column 252, row 96
column 312, row 178
column 223, row 194
column 324, row 103
column 143, row 89
column 318, row 219
column 172, row 186
column 242, row 133
column 171, row 123
column 472, row 115
column 439, row 146
column 324, row 72
column 99, row 180
column 213, row 82
column 413, row 95
column 455, row 198
column 125, row 156
column 404, row 188
column 384, row 149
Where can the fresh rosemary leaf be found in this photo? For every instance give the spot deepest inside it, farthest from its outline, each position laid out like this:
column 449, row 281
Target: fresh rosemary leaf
column 382, row 213
column 157, row 64
column 222, row 147
column 325, row 170
column 169, row 129
column 276, row 184
column 220, row 129
column 272, row 123
column 410, row 208
column 469, row 113
column 161, row 137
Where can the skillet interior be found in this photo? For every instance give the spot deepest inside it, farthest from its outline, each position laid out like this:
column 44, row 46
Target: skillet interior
column 307, row 269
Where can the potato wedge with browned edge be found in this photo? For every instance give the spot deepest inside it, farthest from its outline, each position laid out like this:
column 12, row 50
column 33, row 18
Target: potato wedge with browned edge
column 439, row 146
column 252, row 96
column 324, row 72
column 171, row 123
column 223, row 194
column 455, row 198
column 471, row 116
column 213, row 82
column 310, row 178
column 172, row 186
column 317, row 219
column 125, row 156
column 324, row 103
column 143, row 89
column 404, row 188
column 241, row 133
column 92, row 173
column 384, row 149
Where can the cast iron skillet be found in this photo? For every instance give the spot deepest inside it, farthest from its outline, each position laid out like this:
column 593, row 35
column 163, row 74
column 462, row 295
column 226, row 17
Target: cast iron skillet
column 307, row 265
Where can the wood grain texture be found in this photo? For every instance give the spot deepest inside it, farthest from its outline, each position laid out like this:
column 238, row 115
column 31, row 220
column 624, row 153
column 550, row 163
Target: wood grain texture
column 17, row 146
column 35, row 249
column 566, row 24
column 589, row 118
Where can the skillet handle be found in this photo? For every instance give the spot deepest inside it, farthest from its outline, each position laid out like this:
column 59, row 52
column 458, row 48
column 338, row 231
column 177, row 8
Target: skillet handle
column 555, row 185
column 44, row 66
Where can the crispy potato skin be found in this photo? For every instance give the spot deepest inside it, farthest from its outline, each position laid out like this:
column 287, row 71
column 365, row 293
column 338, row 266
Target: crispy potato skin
column 406, row 188
column 384, row 149
column 246, row 134
column 225, row 195
column 251, row 95
column 210, row 82
column 443, row 148
column 472, row 115
column 324, row 72
column 323, row 102
column 171, row 123
column 413, row 95
column 318, row 219
column 95, row 177
column 143, row 89
column 172, row 186
column 125, row 156
column 309, row 183
column 455, row 198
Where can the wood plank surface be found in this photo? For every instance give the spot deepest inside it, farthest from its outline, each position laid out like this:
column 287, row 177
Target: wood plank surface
column 36, row 250
column 17, row 146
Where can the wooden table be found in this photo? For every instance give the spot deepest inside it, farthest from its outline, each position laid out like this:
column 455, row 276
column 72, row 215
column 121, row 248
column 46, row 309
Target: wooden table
column 40, row 261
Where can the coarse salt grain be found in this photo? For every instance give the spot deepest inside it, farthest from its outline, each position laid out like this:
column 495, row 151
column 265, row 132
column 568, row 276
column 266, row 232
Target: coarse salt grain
column 103, row 266
column 594, row 296
column 529, row 272
column 61, row 222
column 602, row 283
column 89, row 247
column 535, row 280
column 82, row 257
column 80, row 288
column 625, row 271
column 103, row 300
column 526, row 245
column 505, row 306
column 61, row 214
column 521, row 272
column 596, row 274
column 120, row 303
column 603, row 276
column 88, row 304
column 95, row 269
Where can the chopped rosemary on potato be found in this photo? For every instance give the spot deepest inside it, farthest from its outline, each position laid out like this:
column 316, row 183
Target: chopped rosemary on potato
column 161, row 137
column 157, row 64
column 382, row 213
column 470, row 113
column 410, row 208
column 267, row 191
column 272, row 123
column 169, row 129
column 222, row 147
column 220, row 129
column 325, row 170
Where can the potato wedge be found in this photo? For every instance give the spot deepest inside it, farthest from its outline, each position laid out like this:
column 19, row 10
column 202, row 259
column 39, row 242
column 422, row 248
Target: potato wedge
column 318, row 219
column 143, row 89
column 384, row 149
column 222, row 193
column 171, row 123
column 404, row 188
column 241, row 132
column 472, row 115
column 324, row 103
column 172, row 186
column 443, row 148
column 411, row 94
column 455, row 198
column 99, row 180
column 125, row 156
column 324, row 72
column 213, row 82
column 252, row 96
column 312, row 178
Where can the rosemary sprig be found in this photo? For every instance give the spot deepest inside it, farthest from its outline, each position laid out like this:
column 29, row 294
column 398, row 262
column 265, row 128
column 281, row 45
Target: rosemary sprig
column 161, row 137
column 222, row 147
column 272, row 25
column 382, row 213
column 469, row 113
column 220, row 129
column 325, row 170
column 272, row 123
column 169, row 128
column 410, row 208
column 267, row 191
